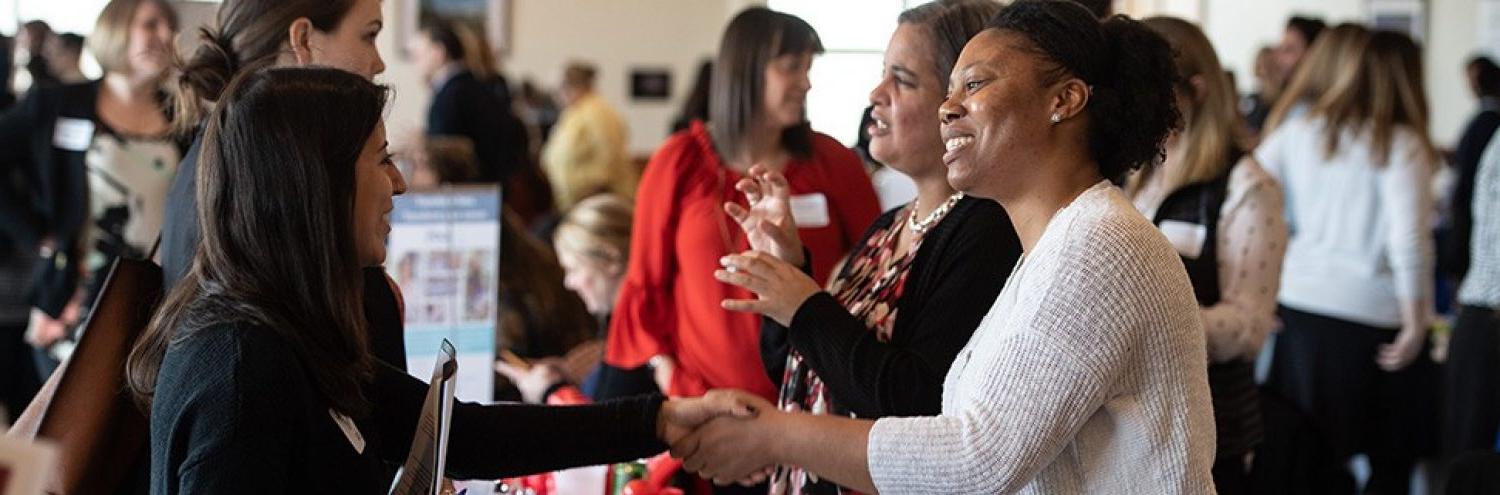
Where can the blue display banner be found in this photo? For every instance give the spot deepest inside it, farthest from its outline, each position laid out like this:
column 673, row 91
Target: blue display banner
column 444, row 254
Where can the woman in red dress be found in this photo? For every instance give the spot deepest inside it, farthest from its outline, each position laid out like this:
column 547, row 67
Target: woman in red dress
column 668, row 313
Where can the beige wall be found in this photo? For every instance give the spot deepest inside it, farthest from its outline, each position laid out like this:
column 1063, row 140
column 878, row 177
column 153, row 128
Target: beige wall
column 1452, row 37
column 615, row 35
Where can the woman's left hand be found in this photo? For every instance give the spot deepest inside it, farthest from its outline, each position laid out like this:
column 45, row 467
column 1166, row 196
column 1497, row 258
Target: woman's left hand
column 781, row 288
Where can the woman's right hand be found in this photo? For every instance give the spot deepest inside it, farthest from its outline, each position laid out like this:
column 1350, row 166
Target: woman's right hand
column 768, row 223
column 44, row 330
column 1400, row 353
column 1408, row 344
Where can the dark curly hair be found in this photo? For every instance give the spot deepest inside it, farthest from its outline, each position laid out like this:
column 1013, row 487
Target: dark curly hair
column 1128, row 68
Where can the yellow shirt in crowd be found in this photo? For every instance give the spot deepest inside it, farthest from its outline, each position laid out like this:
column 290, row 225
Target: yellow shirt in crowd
column 586, row 153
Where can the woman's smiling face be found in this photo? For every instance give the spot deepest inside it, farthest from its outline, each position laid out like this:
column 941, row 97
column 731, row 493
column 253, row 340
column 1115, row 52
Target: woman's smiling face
column 997, row 113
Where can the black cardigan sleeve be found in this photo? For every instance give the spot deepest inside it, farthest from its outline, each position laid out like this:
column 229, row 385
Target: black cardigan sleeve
column 500, row 440
column 773, row 349
column 17, row 219
column 953, row 283
column 773, row 344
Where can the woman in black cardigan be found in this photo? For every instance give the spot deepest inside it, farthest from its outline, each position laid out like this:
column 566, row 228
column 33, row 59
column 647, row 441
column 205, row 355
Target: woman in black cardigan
column 256, row 369
column 880, row 340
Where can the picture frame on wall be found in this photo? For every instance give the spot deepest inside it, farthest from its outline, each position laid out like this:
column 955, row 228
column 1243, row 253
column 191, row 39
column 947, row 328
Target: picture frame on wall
column 650, row 84
column 490, row 17
column 1405, row 16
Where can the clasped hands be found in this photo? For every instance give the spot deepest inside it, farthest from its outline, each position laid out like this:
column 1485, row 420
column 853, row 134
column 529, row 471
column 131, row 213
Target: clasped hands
column 770, row 267
column 727, row 436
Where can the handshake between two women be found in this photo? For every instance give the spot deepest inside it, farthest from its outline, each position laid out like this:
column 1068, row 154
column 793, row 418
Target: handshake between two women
column 730, row 436
column 723, row 436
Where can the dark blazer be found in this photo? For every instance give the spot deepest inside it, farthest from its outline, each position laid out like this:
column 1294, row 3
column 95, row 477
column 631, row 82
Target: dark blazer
column 467, row 107
column 53, row 184
column 7, row 62
column 52, row 179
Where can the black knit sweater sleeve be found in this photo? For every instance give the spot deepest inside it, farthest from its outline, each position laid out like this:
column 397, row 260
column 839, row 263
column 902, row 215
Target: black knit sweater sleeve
column 499, row 440
column 774, row 347
column 236, row 412
column 773, row 344
column 956, row 276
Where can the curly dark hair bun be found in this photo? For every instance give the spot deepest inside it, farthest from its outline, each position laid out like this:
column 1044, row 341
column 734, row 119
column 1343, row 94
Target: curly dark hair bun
column 1129, row 70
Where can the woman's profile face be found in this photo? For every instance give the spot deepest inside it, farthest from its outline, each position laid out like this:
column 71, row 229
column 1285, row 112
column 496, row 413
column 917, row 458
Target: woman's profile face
column 350, row 46
column 786, row 85
column 150, row 46
column 427, row 55
column 996, row 116
column 905, row 134
column 376, row 181
column 595, row 283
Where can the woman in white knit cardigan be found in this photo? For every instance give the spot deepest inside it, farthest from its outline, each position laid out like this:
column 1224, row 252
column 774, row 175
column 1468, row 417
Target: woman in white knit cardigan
column 1088, row 374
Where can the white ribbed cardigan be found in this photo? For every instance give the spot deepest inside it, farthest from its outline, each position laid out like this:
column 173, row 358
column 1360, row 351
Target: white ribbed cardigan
column 1087, row 376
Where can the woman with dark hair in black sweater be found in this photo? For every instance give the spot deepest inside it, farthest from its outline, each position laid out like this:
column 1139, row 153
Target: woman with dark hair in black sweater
column 256, row 370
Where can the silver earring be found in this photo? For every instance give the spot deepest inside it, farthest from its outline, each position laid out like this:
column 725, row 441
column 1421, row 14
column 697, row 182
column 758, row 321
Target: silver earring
column 1056, row 118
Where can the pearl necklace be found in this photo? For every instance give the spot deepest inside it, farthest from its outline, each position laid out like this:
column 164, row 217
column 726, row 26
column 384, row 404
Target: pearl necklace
column 932, row 218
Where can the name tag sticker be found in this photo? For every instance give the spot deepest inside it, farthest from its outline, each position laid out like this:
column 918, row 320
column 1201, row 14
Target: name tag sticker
column 73, row 134
column 351, row 431
column 810, row 210
column 1187, row 238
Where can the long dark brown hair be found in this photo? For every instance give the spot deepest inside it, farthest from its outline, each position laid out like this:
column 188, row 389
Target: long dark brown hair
column 276, row 193
column 245, row 33
column 751, row 40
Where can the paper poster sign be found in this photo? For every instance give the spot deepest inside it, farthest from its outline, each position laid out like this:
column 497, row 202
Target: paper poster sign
column 444, row 253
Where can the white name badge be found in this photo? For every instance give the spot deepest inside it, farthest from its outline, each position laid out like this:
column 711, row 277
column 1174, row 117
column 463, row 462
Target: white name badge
column 1187, row 238
column 73, row 134
column 351, row 431
column 810, row 211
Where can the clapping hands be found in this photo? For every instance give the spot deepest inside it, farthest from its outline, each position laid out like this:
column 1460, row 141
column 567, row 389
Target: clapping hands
column 768, row 223
column 727, row 436
column 780, row 288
